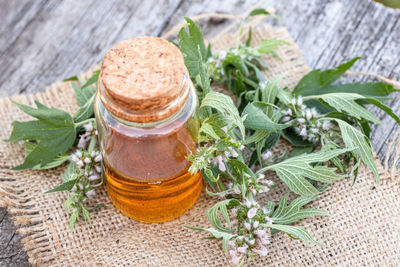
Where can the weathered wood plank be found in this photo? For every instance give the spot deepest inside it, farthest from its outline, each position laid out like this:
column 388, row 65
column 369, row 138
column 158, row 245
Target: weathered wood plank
column 45, row 41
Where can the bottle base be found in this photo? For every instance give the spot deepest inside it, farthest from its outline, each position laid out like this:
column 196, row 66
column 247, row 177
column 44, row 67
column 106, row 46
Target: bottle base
column 154, row 203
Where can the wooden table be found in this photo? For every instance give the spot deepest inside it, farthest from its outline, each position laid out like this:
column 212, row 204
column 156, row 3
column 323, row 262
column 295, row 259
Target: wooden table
column 46, row 41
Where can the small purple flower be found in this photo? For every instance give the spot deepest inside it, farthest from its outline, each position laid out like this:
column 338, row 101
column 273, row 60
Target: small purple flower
column 303, row 132
column 93, row 177
column 255, row 224
column 88, row 127
column 243, row 249
column 233, row 152
column 251, row 213
column 247, row 226
column 237, row 190
column 262, row 251
column 308, row 114
column 87, row 160
column 90, row 193
column 266, row 155
column 299, row 101
column 98, row 158
column 301, row 120
column 221, row 165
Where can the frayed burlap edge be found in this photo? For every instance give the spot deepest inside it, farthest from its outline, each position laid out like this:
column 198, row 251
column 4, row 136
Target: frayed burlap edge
column 48, row 242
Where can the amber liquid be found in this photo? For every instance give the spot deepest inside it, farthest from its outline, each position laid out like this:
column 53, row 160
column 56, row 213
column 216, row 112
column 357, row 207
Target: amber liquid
column 147, row 174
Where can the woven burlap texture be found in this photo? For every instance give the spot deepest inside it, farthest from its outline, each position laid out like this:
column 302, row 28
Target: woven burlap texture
column 363, row 229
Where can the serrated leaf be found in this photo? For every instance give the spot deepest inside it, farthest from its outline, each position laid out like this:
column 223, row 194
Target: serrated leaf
column 298, row 232
column 287, row 214
column 69, row 171
column 293, row 171
column 207, row 129
column 224, row 105
column 86, row 111
column 216, row 234
column 385, row 108
column 220, row 208
column 57, row 161
column 54, row 132
column 232, row 59
column 93, row 79
column 312, row 82
column 296, row 182
column 354, row 138
column 66, row 186
column 192, row 46
column 345, row 102
column 83, row 94
column 267, row 46
column 270, row 92
column 378, row 90
column 256, row 119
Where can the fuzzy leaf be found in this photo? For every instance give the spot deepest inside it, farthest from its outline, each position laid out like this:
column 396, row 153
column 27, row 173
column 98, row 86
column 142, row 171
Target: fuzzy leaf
column 213, row 214
column 216, row 234
column 298, row 232
column 224, row 105
column 354, row 138
column 256, row 119
column 287, row 214
column 293, row 171
column 192, row 46
column 345, row 102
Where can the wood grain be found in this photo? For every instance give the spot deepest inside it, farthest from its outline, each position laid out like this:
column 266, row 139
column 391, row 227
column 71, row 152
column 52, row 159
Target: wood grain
column 45, row 41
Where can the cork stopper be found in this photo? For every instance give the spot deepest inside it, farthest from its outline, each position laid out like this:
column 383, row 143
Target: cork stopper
column 143, row 79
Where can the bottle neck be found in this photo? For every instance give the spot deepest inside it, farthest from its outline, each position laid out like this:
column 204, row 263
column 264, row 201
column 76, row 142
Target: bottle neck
column 150, row 116
column 182, row 114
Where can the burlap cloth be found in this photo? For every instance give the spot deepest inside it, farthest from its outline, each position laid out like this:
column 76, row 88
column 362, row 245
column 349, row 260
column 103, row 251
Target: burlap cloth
column 363, row 229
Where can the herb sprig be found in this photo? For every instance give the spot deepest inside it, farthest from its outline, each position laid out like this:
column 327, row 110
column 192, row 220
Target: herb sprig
column 327, row 123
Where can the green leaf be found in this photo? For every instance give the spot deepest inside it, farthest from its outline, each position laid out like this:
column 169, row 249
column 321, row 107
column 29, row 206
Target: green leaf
column 268, row 46
column 69, row 171
column 66, row 186
column 192, row 46
column 232, row 59
column 345, row 102
column 270, row 92
column 258, row 11
column 217, row 234
column 298, row 232
column 385, row 108
column 83, row 94
column 293, row 171
column 256, row 119
column 206, row 128
column 74, row 218
column 287, row 214
column 86, row 111
column 224, row 105
column 57, row 161
column 54, row 132
column 213, row 214
column 354, row 138
column 93, row 79
column 312, row 82
column 301, row 150
column 295, row 139
column 376, row 90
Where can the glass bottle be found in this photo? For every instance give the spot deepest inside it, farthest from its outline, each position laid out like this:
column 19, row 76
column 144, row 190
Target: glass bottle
column 145, row 110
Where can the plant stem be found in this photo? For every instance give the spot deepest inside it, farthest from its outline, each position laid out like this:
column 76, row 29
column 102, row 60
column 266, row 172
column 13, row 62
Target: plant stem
column 84, row 122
